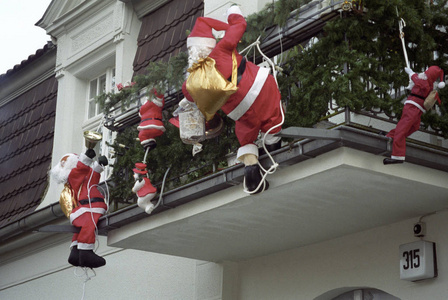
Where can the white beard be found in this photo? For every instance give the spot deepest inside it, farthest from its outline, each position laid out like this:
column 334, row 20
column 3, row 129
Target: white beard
column 60, row 172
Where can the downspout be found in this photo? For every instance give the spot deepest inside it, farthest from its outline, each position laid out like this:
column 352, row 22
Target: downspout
column 32, row 221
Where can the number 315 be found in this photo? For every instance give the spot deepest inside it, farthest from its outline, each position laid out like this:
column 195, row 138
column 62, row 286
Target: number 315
column 412, row 259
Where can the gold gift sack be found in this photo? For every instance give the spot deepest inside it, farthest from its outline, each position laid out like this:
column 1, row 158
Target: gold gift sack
column 430, row 100
column 208, row 87
column 67, row 200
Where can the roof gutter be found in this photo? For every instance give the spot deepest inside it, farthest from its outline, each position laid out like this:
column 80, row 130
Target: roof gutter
column 32, row 221
column 312, row 143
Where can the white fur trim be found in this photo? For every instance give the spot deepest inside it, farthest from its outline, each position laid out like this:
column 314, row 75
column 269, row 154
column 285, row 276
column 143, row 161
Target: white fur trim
column 151, row 126
column 97, row 167
column 84, row 246
column 85, row 159
column 82, row 210
column 415, row 104
column 147, row 141
column 73, row 244
column 201, row 41
column 157, row 101
column 250, row 97
column 397, row 157
column 234, row 9
column 247, row 149
column 441, row 85
column 270, row 138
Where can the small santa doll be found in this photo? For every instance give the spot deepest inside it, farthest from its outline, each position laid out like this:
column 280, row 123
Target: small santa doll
column 151, row 124
column 143, row 188
column 421, row 85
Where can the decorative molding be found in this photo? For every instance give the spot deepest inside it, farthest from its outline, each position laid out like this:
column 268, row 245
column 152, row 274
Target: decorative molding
column 60, row 73
column 118, row 37
column 92, row 34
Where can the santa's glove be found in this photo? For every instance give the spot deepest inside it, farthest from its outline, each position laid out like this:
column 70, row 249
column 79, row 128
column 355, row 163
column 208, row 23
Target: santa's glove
column 102, row 160
column 90, row 153
column 409, row 71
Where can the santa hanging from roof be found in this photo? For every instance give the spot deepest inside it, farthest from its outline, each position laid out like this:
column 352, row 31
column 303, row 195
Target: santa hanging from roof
column 255, row 106
column 423, row 88
column 81, row 174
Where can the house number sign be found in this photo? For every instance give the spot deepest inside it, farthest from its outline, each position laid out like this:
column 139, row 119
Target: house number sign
column 418, row 261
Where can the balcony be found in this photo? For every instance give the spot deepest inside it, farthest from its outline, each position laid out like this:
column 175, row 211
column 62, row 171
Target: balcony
column 330, row 183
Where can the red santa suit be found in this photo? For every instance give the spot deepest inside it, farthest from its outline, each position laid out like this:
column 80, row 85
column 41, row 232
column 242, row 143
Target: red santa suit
column 84, row 181
column 255, row 106
column 151, row 125
column 413, row 110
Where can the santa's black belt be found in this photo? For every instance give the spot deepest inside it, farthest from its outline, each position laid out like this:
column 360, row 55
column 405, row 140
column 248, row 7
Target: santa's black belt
column 149, row 119
column 93, row 200
column 241, row 69
column 418, row 96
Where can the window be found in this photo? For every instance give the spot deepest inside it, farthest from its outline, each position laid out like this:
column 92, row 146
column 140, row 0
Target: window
column 100, row 85
column 104, row 83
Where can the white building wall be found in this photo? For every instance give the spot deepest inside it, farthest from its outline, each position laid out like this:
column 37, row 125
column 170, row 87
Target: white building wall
column 367, row 259
column 128, row 274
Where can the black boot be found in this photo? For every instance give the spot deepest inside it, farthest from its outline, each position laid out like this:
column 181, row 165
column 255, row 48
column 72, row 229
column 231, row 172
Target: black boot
column 389, row 161
column 253, row 178
column 270, row 148
column 90, row 260
column 73, row 259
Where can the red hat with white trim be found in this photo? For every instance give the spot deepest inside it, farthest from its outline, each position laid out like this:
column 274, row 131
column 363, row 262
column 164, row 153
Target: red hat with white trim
column 435, row 73
column 202, row 34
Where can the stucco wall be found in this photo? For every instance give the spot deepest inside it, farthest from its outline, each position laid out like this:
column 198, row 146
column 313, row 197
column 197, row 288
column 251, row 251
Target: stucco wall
column 128, row 274
column 367, row 259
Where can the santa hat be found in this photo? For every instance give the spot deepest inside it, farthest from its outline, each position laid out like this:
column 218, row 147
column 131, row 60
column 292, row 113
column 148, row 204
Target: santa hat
column 435, row 73
column 140, row 168
column 202, row 35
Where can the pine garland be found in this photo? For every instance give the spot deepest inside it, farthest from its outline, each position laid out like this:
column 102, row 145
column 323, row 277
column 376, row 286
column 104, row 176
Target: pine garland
column 359, row 59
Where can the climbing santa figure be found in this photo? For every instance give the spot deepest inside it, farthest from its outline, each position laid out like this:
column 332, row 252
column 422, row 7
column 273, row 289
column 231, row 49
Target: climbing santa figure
column 82, row 175
column 255, row 106
column 151, row 124
column 143, row 188
column 423, row 90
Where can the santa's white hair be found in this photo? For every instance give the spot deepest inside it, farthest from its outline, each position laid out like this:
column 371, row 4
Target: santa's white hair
column 60, row 172
column 197, row 52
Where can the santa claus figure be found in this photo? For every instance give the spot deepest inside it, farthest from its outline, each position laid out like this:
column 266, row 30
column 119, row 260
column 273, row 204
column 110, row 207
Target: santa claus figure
column 82, row 174
column 151, row 124
column 143, row 188
column 421, row 85
column 256, row 105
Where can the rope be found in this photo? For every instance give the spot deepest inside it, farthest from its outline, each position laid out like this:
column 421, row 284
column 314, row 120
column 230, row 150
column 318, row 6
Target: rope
column 401, row 25
column 274, row 165
column 87, row 278
column 161, row 190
